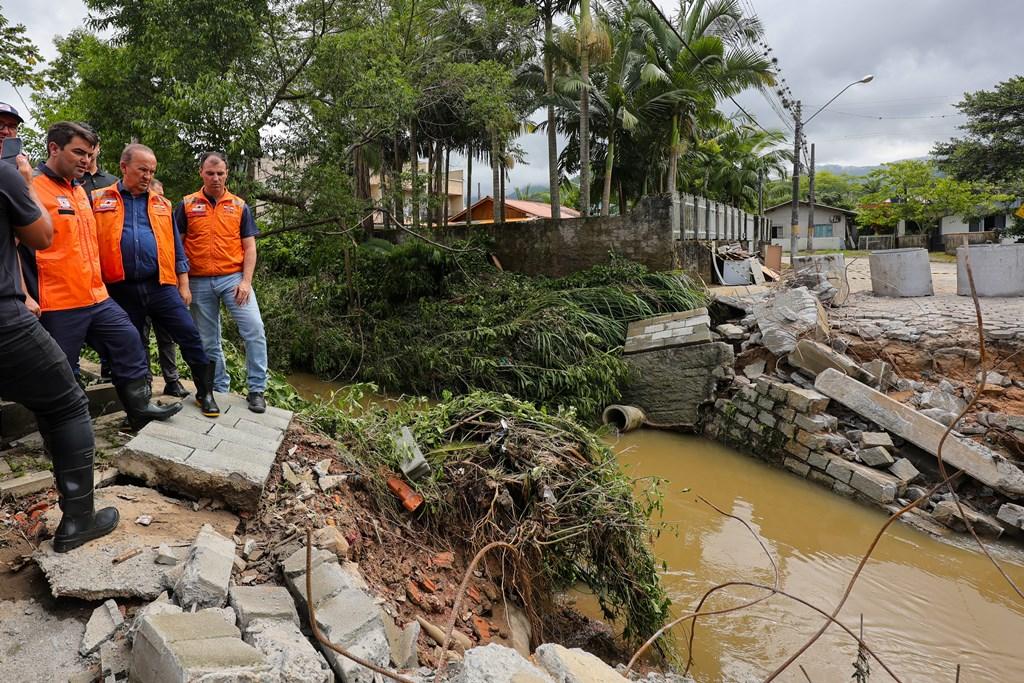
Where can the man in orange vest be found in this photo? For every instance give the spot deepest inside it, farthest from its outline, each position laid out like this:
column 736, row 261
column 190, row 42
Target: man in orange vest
column 76, row 308
column 33, row 370
column 220, row 241
column 144, row 266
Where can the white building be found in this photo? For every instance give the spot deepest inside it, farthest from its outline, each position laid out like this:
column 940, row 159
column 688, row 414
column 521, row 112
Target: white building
column 831, row 225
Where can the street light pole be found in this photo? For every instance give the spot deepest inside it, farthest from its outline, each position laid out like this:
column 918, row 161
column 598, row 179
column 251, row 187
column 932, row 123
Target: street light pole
column 794, row 228
column 794, row 221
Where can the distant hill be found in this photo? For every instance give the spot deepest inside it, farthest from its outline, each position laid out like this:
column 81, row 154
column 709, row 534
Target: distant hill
column 861, row 170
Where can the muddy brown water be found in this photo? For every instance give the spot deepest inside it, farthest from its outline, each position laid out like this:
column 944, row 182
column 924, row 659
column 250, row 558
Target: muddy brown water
column 927, row 605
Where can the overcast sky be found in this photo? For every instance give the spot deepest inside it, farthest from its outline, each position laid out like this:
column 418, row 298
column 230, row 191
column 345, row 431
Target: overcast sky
column 924, row 55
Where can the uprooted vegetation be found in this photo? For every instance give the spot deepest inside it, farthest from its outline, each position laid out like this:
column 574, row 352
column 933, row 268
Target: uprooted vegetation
column 503, row 470
column 421, row 319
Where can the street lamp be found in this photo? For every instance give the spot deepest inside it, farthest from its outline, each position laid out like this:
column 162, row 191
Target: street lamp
column 794, row 226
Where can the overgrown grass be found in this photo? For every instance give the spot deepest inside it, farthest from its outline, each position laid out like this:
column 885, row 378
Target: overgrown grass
column 418, row 319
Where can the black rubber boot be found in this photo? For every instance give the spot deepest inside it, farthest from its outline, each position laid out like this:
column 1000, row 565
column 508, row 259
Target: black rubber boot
column 136, row 404
column 71, row 448
column 81, row 522
column 173, row 387
column 202, row 375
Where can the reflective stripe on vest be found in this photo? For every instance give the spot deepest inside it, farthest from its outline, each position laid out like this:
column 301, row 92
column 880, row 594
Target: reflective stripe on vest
column 69, row 269
column 213, row 242
column 108, row 207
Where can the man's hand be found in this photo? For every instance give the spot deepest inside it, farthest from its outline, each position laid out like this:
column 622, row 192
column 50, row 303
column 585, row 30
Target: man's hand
column 33, row 306
column 24, row 168
column 242, row 293
column 186, row 293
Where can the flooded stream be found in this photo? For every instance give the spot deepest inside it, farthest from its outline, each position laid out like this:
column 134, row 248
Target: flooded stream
column 927, row 606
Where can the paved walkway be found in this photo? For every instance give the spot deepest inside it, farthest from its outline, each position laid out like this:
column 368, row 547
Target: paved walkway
column 227, row 458
column 859, row 275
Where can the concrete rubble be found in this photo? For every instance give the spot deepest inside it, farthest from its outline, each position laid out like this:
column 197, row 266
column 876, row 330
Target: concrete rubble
column 985, row 465
column 1011, row 515
column 787, row 316
column 495, row 663
column 206, row 571
column 106, row 621
column 575, row 665
column 947, row 512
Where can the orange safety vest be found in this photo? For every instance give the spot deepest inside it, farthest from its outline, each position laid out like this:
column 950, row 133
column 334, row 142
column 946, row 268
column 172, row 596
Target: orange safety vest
column 213, row 242
column 69, row 269
column 108, row 207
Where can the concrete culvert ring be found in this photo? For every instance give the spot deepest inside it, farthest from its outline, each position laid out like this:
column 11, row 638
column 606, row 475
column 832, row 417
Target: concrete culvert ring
column 623, row 418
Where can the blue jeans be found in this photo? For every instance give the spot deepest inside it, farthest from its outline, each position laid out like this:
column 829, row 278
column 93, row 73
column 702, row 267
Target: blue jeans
column 163, row 305
column 207, row 295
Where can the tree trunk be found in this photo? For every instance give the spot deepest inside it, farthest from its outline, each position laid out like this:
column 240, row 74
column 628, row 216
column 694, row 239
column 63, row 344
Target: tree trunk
column 622, row 199
column 495, row 180
column 585, row 107
column 549, row 81
column 430, row 183
column 414, row 162
column 397, row 185
column 673, row 186
column 440, row 192
column 469, row 186
column 606, row 194
column 502, row 203
column 362, row 188
column 444, row 196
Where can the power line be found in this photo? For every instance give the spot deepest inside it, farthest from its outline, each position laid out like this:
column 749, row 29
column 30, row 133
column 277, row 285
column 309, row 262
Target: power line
column 882, row 117
column 712, row 75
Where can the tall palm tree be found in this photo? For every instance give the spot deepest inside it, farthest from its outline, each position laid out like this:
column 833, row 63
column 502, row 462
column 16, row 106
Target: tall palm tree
column 585, row 35
column 708, row 56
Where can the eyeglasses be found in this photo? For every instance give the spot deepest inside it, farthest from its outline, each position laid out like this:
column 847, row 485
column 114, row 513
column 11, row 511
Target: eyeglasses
column 13, row 127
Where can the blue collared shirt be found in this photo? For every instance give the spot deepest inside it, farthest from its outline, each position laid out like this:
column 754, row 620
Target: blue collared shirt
column 138, row 243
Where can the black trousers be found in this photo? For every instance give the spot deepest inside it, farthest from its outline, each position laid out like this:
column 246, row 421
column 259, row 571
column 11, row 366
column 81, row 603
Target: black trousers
column 34, row 372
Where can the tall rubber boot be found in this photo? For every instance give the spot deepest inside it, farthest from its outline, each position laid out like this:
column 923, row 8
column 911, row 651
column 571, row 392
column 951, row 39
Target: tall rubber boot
column 140, row 411
column 71, row 447
column 202, row 375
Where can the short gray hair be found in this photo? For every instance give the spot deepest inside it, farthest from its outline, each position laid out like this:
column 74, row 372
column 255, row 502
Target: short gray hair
column 132, row 148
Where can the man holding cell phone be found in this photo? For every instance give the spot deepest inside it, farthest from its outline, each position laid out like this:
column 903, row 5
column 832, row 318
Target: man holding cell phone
column 10, row 152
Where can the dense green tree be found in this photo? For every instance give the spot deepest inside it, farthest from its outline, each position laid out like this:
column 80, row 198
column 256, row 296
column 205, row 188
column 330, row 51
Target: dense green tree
column 18, row 54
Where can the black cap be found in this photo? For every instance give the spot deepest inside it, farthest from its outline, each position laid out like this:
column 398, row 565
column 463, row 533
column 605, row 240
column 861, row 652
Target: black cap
column 8, row 109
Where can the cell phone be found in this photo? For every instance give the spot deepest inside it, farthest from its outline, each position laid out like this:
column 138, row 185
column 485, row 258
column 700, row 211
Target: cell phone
column 10, row 148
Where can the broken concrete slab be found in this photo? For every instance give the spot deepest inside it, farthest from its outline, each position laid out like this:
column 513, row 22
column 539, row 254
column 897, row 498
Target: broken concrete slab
column 879, row 374
column 575, row 665
column 943, row 401
column 206, row 571
column 1011, row 515
column 495, row 663
column 171, row 648
column 946, row 512
column 402, row 642
column 162, row 605
column 814, row 357
column 876, row 456
column 670, row 385
column 291, row 655
column 90, row 573
column 981, row 463
column 208, row 458
column 787, row 316
column 115, row 659
column 668, row 331
column 105, row 622
column 880, row 487
column 272, row 603
column 40, row 644
column 346, row 612
column 26, row 484
column 731, row 332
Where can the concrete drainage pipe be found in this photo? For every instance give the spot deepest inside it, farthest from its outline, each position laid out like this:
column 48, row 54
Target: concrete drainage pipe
column 623, row 418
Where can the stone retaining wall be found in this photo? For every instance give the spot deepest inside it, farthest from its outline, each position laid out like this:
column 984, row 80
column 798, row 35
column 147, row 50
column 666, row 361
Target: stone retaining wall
column 786, row 425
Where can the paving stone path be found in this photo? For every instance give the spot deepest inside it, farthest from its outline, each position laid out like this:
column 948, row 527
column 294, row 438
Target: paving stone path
column 226, row 458
column 927, row 318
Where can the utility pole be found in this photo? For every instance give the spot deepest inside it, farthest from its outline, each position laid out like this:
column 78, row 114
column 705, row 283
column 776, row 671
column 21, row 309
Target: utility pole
column 794, row 221
column 810, row 202
column 761, row 236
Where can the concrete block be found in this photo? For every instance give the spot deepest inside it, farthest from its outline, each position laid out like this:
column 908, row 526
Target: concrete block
column 946, row 512
column 402, row 642
column 183, row 435
column 816, row 442
column 818, row 459
column 816, row 423
column 575, row 665
column 797, row 449
column 806, row 400
column 172, row 648
column 295, row 564
column 105, row 622
column 878, row 486
column 206, row 571
column 766, row 418
column 158, row 447
column 840, row 470
column 787, row 428
column 26, row 485
column 252, row 428
column 253, row 441
column 766, row 403
column 875, row 457
column 1011, row 515
column 498, row 664
column 904, row 470
column 290, row 654
column 785, row 413
column 272, row 603
column 814, row 357
column 796, row 466
column 777, row 392
column 872, row 439
column 981, row 463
